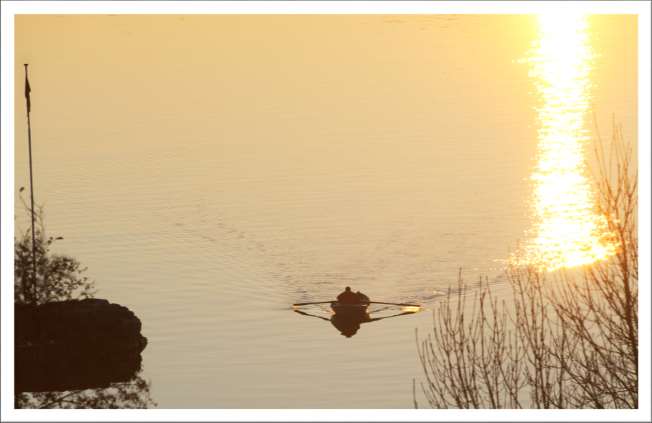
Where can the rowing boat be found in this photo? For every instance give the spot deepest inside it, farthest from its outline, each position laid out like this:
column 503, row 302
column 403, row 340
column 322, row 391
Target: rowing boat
column 349, row 309
column 347, row 318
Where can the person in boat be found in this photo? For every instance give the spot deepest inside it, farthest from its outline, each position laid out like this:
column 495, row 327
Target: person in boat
column 362, row 298
column 348, row 297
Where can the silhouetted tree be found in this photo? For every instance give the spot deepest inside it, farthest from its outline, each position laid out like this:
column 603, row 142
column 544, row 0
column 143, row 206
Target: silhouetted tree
column 58, row 277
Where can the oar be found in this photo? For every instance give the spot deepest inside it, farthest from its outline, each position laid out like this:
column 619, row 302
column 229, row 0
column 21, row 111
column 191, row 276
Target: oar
column 311, row 315
column 396, row 304
column 375, row 319
column 316, row 302
column 370, row 302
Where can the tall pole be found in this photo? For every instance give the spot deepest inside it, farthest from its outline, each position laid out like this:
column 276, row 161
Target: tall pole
column 31, row 181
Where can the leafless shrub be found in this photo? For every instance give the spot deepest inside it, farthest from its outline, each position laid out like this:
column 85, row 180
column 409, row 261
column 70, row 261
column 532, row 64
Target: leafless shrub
column 600, row 309
column 569, row 340
column 472, row 360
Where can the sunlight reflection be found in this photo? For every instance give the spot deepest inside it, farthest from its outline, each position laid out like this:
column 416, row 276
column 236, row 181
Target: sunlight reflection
column 567, row 230
column 410, row 309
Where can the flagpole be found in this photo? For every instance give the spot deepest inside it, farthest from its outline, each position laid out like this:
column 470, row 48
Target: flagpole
column 31, row 181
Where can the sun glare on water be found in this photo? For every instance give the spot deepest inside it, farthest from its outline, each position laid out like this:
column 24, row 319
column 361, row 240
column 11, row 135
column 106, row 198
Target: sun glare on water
column 567, row 230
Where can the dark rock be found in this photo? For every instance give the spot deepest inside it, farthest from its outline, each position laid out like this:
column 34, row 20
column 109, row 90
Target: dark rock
column 75, row 344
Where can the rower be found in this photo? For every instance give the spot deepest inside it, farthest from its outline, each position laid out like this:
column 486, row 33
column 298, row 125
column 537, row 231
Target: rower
column 362, row 298
column 348, row 297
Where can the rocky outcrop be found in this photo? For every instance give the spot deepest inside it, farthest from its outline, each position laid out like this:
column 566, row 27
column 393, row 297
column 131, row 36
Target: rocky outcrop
column 75, row 344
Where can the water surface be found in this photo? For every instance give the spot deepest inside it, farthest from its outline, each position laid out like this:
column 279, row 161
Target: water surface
column 212, row 170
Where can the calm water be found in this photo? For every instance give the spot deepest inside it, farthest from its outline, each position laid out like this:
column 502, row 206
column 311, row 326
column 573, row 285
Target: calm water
column 210, row 171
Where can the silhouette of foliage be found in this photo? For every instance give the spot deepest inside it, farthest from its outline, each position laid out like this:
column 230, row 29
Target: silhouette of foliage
column 132, row 394
column 58, row 277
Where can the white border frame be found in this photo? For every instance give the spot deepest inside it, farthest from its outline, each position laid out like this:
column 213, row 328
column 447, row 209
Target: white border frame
column 11, row 8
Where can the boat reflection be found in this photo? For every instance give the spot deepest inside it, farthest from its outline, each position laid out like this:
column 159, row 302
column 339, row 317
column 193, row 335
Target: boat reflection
column 348, row 319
